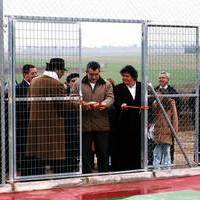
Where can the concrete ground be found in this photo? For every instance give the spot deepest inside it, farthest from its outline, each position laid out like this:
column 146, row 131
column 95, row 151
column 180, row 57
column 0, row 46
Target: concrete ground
column 105, row 187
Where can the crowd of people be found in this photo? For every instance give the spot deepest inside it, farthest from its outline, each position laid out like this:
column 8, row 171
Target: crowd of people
column 111, row 121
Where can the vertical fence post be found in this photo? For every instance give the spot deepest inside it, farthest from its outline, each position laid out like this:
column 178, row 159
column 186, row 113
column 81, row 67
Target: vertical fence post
column 10, row 98
column 144, row 96
column 197, row 98
column 2, row 145
column 80, row 95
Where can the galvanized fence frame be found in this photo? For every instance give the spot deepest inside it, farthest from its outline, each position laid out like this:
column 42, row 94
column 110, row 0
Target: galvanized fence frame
column 12, row 127
column 12, row 21
column 145, row 80
column 159, row 38
column 2, row 114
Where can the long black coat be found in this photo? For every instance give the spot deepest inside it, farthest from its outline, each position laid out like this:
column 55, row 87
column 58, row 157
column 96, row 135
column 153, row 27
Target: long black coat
column 127, row 138
column 22, row 119
column 22, row 89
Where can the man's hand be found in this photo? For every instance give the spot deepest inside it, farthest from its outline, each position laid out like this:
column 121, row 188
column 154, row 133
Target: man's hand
column 102, row 106
column 92, row 105
column 88, row 105
column 99, row 106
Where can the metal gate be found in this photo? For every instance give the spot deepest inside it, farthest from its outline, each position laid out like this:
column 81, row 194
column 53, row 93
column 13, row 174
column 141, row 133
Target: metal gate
column 173, row 56
column 32, row 44
column 166, row 50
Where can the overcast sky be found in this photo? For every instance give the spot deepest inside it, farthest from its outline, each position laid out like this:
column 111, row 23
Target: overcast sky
column 163, row 11
column 167, row 10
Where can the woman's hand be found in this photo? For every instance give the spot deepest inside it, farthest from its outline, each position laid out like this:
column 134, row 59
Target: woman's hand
column 123, row 106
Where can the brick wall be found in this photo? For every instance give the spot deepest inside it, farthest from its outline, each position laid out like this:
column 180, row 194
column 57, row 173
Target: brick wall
column 187, row 139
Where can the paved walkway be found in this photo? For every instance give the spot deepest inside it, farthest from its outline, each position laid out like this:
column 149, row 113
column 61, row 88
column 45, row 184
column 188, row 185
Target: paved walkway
column 177, row 195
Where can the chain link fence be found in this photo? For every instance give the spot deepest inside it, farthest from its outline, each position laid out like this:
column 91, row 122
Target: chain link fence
column 34, row 41
column 173, row 70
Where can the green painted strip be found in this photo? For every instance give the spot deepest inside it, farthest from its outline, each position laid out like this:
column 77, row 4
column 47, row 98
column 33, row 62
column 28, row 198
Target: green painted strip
column 178, row 195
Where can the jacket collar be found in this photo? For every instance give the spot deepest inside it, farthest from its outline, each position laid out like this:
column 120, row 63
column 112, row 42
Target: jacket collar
column 51, row 74
column 100, row 81
column 26, row 82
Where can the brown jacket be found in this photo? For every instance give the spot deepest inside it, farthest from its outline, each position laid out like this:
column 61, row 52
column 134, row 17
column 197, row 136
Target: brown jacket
column 162, row 131
column 103, row 92
column 46, row 131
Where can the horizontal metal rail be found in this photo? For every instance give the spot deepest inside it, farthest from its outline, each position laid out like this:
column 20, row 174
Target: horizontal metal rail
column 172, row 25
column 74, row 19
column 76, row 98
column 175, row 95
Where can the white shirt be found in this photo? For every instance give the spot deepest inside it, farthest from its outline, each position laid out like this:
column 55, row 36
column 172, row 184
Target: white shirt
column 27, row 82
column 92, row 85
column 132, row 90
column 165, row 87
column 51, row 74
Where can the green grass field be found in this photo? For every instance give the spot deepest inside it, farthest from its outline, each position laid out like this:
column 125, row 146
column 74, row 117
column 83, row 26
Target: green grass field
column 181, row 67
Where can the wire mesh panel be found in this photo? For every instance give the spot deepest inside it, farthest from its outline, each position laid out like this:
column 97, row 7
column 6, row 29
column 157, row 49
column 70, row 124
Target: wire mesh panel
column 46, row 66
column 173, row 71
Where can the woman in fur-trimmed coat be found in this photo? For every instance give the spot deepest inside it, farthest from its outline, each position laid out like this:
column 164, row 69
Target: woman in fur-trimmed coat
column 162, row 133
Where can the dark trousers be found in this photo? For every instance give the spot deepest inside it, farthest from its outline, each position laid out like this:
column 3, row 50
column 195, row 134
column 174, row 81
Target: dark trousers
column 72, row 140
column 101, row 140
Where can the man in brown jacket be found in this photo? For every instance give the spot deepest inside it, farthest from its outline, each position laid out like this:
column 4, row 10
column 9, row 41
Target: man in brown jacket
column 46, row 130
column 97, row 98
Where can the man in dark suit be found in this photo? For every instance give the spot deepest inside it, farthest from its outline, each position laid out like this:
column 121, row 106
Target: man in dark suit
column 22, row 115
column 126, row 154
column 193, row 111
column 71, row 126
column 29, row 72
column 164, row 78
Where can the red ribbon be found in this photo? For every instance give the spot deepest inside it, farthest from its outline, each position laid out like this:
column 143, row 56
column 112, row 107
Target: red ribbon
column 138, row 107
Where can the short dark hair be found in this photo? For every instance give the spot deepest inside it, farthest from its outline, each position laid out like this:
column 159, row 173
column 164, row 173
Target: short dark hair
column 93, row 65
column 129, row 69
column 71, row 76
column 26, row 68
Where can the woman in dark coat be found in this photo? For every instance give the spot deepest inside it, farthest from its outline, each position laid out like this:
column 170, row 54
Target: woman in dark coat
column 127, row 139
